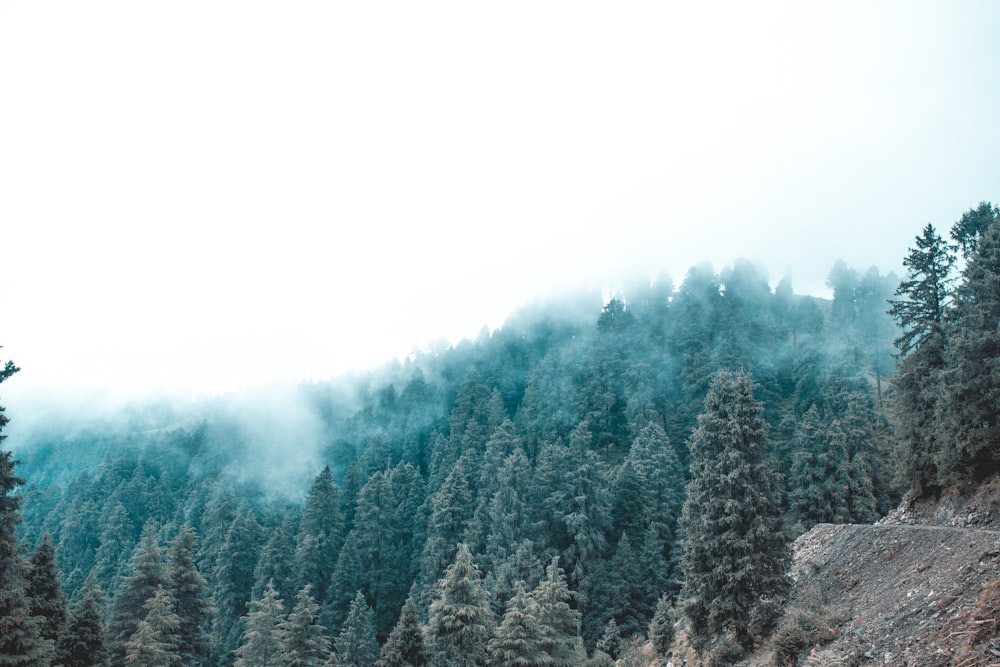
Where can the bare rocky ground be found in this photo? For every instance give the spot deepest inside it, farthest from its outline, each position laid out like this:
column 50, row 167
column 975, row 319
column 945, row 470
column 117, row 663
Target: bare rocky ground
column 920, row 587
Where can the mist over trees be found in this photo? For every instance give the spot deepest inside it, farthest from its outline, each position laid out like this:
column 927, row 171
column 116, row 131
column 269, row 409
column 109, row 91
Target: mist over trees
column 591, row 473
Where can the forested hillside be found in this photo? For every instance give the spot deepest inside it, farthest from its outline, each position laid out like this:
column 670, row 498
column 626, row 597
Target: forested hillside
column 551, row 493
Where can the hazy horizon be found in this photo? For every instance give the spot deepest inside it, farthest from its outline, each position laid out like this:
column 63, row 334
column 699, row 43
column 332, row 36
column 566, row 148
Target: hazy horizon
column 202, row 197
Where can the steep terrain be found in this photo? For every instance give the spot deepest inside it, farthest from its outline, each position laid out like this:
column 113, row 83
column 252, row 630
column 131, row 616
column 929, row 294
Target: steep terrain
column 921, row 587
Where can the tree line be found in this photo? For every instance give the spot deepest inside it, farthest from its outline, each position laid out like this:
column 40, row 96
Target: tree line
column 554, row 492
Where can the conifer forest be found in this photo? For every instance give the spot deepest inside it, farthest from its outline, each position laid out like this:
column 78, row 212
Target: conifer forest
column 599, row 473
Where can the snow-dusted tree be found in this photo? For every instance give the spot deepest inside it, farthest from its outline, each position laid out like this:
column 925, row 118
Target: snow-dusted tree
column 460, row 621
column 156, row 640
column 559, row 622
column 302, row 641
column 260, row 645
column 518, row 640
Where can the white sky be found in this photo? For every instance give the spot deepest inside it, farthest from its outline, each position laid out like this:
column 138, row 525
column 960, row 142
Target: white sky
column 203, row 195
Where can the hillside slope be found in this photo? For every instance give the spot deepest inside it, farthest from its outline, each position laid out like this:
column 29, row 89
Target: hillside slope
column 898, row 594
column 921, row 587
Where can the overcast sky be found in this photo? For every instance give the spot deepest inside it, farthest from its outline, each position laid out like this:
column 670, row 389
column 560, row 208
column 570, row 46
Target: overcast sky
column 204, row 195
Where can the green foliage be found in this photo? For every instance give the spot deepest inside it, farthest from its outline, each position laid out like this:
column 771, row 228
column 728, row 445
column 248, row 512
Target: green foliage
column 405, row 645
column 518, row 640
column 261, row 643
column 83, row 644
column 610, row 642
column 147, row 575
column 735, row 552
column 661, row 628
column 969, row 412
column 356, row 646
column 156, row 641
column 558, row 620
column 47, row 600
column 322, row 520
column 190, row 593
column 800, row 628
column 460, row 621
column 302, row 641
column 552, row 437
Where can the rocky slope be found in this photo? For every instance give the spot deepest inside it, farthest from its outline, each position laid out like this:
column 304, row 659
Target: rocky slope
column 921, row 587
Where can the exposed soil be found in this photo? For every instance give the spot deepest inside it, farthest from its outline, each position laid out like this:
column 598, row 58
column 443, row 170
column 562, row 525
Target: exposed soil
column 920, row 587
column 902, row 594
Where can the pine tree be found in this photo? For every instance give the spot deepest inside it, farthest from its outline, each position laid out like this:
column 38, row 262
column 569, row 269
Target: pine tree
column 587, row 523
column 972, row 226
column 969, row 413
column 83, row 644
column 20, row 643
column 48, row 602
column 450, row 509
column 405, row 645
column 190, row 594
column 610, row 641
column 735, row 551
column 921, row 314
column 460, row 621
column 275, row 564
column 661, row 628
column 146, row 574
column 116, row 543
column 356, row 645
column 558, row 620
column 302, row 641
column 233, row 585
column 324, row 521
column 518, row 640
column 156, row 641
column 819, row 474
column 260, row 645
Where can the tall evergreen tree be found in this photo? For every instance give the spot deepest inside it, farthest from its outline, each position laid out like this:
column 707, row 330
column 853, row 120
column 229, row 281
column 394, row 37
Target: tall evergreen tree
column 920, row 314
column 518, row 640
column 146, row 575
column 356, row 645
column 735, row 551
column 48, row 602
column 558, row 620
column 275, row 564
column 324, row 521
column 233, row 585
column 405, row 646
column 20, row 641
column 190, row 594
column 449, row 516
column 460, row 621
column 260, row 645
column 116, row 543
column 156, row 641
column 971, row 227
column 969, row 414
column 818, row 477
column 83, row 644
column 302, row 641
column 661, row 628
